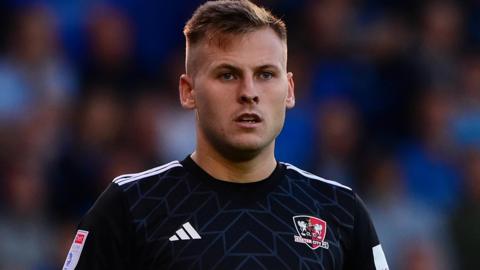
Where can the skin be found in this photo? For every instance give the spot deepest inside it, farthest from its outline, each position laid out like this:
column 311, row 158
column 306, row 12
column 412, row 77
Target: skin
column 246, row 78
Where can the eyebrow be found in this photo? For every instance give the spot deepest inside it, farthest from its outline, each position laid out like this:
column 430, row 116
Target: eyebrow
column 227, row 66
column 236, row 69
column 268, row 66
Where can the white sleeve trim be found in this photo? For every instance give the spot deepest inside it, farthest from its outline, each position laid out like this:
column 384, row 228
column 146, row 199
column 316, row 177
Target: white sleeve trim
column 127, row 178
column 313, row 176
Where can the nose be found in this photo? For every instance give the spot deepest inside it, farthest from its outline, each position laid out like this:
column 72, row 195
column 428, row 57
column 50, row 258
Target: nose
column 249, row 99
column 248, row 92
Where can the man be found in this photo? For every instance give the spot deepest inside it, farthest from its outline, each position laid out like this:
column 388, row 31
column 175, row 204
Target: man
column 230, row 204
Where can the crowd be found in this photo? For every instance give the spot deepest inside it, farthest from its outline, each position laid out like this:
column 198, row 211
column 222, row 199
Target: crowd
column 388, row 102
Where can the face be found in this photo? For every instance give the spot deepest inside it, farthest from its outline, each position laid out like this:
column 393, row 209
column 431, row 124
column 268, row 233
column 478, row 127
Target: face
column 240, row 93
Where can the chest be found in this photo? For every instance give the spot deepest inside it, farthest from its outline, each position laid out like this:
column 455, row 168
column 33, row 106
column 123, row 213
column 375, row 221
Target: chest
column 210, row 231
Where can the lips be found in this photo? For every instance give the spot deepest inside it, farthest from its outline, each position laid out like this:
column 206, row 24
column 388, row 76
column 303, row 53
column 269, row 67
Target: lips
column 248, row 118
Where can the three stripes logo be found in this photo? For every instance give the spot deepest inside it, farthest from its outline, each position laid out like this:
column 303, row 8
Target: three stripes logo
column 186, row 232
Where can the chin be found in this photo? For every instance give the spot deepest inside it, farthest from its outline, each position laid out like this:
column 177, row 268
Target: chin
column 240, row 146
column 248, row 143
column 250, row 148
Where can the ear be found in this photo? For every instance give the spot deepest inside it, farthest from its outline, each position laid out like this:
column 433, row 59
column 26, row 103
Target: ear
column 185, row 89
column 290, row 102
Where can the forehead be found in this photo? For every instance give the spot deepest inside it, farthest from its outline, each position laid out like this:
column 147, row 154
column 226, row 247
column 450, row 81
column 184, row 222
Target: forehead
column 259, row 47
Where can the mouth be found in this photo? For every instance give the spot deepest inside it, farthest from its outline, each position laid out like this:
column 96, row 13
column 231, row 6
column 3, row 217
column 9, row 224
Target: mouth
column 248, row 118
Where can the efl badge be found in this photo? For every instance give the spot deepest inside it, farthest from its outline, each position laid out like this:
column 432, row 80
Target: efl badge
column 311, row 231
column 75, row 250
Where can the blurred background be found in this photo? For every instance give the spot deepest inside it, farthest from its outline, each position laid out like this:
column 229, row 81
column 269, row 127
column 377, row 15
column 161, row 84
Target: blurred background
column 388, row 102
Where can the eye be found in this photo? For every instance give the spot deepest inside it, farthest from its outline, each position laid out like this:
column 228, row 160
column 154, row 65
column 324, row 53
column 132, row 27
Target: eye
column 227, row 76
column 265, row 75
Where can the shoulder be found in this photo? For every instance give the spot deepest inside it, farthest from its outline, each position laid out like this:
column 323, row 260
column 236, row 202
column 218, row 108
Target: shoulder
column 301, row 174
column 158, row 171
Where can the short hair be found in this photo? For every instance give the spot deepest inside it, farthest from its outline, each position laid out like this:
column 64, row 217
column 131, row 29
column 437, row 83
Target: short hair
column 214, row 19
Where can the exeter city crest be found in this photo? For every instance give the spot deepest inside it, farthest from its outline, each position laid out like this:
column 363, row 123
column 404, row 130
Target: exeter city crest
column 311, row 231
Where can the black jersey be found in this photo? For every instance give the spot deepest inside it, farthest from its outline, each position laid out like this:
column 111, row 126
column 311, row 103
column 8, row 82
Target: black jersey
column 177, row 216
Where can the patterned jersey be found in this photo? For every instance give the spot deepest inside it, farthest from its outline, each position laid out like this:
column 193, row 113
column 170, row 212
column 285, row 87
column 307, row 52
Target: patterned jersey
column 177, row 216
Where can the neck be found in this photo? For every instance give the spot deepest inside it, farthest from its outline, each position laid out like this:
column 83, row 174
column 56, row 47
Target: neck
column 250, row 170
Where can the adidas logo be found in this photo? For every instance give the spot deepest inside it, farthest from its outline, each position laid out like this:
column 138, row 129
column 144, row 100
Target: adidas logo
column 187, row 232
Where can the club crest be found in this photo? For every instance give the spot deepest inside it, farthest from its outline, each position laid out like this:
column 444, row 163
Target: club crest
column 311, row 231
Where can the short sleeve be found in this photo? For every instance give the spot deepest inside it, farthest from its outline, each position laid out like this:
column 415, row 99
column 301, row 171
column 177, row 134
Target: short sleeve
column 103, row 238
column 366, row 253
